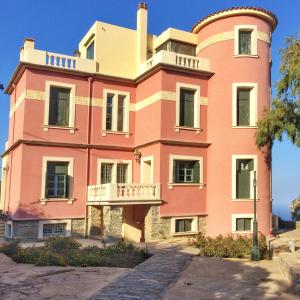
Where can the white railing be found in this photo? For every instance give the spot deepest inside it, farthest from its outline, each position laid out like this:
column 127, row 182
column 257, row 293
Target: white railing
column 44, row 58
column 113, row 192
column 175, row 59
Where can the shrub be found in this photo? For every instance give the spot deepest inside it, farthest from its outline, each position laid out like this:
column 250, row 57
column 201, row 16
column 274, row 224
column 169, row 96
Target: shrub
column 62, row 244
column 11, row 248
column 50, row 258
column 28, row 255
column 229, row 246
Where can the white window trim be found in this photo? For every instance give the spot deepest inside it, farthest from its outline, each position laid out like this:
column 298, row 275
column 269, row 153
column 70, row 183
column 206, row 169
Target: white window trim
column 50, row 84
column 253, row 30
column 114, row 169
column 238, row 216
column 253, row 103
column 233, row 176
column 47, row 159
column 185, row 157
column 144, row 159
column 197, row 106
column 7, row 223
column 43, row 222
column 115, row 111
column 194, row 225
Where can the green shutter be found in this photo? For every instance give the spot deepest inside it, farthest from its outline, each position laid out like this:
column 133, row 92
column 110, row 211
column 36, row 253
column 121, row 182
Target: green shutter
column 243, row 107
column 187, row 108
column 243, row 179
column 59, row 106
column 196, row 172
column 245, row 42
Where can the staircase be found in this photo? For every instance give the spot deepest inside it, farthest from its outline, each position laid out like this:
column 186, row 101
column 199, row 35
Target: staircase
column 2, row 228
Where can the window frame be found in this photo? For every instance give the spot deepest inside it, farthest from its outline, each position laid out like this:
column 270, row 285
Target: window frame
column 253, row 87
column 47, row 159
column 87, row 47
column 234, row 217
column 194, row 225
column 197, row 104
column 233, row 176
column 126, row 112
column 172, row 158
column 100, row 161
column 72, row 87
column 253, row 30
column 57, row 221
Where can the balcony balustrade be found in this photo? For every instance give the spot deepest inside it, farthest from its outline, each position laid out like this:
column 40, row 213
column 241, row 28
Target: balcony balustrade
column 120, row 194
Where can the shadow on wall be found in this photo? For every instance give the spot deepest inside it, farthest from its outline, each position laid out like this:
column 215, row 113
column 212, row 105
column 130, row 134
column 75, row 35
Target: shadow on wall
column 30, row 211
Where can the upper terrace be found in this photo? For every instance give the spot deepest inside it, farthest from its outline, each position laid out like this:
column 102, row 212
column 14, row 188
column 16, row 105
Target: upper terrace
column 121, row 52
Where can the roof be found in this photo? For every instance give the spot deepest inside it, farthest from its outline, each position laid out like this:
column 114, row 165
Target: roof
column 238, row 10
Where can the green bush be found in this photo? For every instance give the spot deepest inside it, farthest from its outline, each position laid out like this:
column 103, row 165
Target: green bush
column 229, row 246
column 62, row 244
column 10, row 248
column 28, row 255
column 50, row 258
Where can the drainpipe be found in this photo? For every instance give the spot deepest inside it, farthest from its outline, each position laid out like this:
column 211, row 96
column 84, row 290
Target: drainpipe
column 12, row 142
column 88, row 152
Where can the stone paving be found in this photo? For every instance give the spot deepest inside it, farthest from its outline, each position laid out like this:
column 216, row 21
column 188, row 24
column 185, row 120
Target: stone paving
column 149, row 280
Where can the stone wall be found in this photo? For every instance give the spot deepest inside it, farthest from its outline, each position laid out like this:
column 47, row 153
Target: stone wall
column 112, row 222
column 78, row 227
column 165, row 228
column 202, row 224
column 26, row 231
column 152, row 223
column 95, row 220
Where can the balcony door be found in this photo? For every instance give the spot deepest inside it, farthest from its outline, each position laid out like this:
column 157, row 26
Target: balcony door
column 147, row 168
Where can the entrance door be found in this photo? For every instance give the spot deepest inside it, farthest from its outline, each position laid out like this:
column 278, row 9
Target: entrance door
column 133, row 223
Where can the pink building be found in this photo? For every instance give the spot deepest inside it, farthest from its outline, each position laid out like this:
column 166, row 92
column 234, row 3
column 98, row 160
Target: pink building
column 141, row 136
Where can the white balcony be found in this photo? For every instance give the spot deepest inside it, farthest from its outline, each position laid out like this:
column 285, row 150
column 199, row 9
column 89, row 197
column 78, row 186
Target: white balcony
column 176, row 59
column 121, row 194
column 61, row 61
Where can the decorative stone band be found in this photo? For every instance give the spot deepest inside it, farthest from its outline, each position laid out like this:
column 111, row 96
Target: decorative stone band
column 225, row 36
column 79, row 100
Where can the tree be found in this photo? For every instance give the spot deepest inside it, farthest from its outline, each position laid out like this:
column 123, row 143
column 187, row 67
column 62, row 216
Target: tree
column 284, row 115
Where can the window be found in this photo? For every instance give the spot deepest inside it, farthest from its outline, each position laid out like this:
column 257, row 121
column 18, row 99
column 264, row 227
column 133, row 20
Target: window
column 122, row 170
column 243, row 175
column 54, row 229
column 59, row 106
column 114, row 171
column 90, row 51
column 187, row 105
column 244, row 42
column 57, row 180
column 116, row 111
column 186, row 171
column 177, row 47
column 243, row 224
column 8, row 229
column 244, row 104
column 243, row 107
column 183, row 225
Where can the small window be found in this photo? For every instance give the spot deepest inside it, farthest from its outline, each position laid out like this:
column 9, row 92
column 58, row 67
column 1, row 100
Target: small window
column 106, row 172
column 115, row 113
column 183, row 225
column 243, row 178
column 177, row 47
column 186, row 113
column 8, row 230
column 57, row 180
column 59, row 106
column 245, row 42
column 243, row 107
column 55, row 229
column 186, row 171
column 90, row 51
column 122, row 171
column 243, row 224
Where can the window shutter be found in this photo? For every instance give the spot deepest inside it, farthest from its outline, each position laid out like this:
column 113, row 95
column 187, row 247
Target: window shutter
column 243, row 181
column 196, row 172
column 245, row 42
column 175, row 166
column 243, row 107
column 187, row 108
column 251, row 165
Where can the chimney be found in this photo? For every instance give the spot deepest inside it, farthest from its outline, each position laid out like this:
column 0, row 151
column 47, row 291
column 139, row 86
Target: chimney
column 29, row 43
column 142, row 16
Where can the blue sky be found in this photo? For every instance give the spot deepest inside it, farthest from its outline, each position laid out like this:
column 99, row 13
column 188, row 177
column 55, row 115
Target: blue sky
column 58, row 26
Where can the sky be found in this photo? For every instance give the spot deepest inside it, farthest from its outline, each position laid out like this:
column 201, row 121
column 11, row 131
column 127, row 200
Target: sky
column 58, row 26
